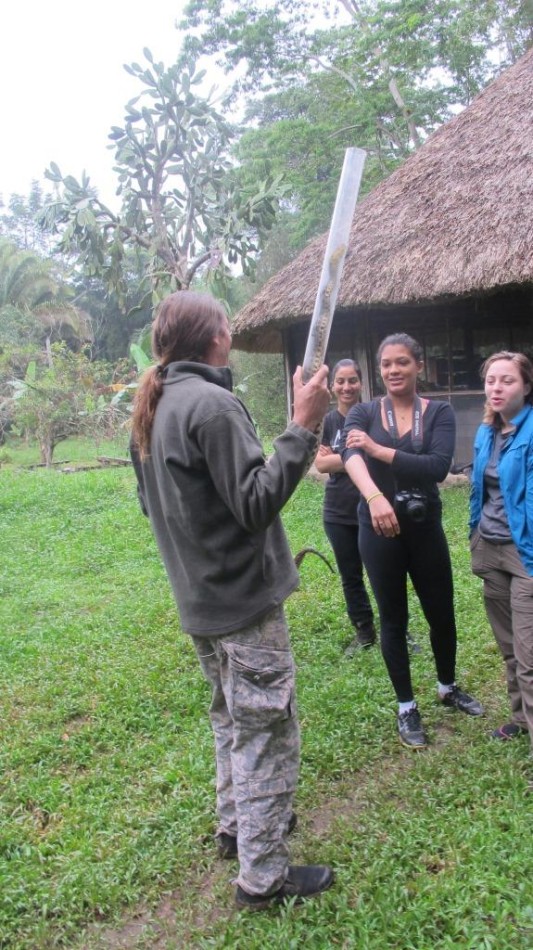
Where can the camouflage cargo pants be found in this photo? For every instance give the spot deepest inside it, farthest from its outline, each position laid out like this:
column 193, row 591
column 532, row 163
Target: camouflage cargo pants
column 257, row 743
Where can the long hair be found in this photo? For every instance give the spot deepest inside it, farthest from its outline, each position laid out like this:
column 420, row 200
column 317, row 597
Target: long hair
column 401, row 339
column 184, row 328
column 524, row 367
column 339, row 365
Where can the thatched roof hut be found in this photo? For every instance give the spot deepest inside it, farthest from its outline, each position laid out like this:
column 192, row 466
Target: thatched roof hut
column 455, row 220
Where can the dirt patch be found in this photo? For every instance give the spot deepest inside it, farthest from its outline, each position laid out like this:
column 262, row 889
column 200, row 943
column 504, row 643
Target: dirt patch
column 156, row 928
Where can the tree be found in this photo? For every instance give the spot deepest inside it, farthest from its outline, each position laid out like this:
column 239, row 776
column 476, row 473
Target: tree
column 53, row 400
column 35, row 311
column 19, row 222
column 381, row 74
column 26, row 284
column 467, row 40
column 260, row 377
column 111, row 327
column 183, row 206
column 34, row 305
column 114, row 321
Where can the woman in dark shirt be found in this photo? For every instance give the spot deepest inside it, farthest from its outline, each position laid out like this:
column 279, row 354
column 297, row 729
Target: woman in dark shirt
column 341, row 499
column 397, row 449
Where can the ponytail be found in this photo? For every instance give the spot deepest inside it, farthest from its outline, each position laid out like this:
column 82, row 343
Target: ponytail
column 184, row 328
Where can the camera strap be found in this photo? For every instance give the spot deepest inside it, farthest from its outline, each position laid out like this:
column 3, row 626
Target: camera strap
column 417, row 433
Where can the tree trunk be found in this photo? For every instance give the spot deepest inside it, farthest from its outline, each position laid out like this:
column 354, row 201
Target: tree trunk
column 48, row 348
column 47, row 451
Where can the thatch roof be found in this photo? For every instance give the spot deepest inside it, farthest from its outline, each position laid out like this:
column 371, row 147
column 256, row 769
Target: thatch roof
column 455, row 219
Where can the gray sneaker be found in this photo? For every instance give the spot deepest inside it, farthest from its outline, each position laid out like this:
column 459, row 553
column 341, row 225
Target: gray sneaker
column 365, row 637
column 456, row 699
column 410, row 730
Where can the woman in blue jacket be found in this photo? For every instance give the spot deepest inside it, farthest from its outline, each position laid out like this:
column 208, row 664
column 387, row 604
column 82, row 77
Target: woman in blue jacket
column 501, row 525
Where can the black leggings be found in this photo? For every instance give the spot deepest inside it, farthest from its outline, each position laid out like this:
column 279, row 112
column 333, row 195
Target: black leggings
column 420, row 551
column 344, row 541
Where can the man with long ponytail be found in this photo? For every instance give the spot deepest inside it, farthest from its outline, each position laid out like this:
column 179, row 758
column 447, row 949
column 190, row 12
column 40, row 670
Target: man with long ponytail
column 213, row 501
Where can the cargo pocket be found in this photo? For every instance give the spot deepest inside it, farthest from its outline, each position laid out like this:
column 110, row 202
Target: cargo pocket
column 262, row 683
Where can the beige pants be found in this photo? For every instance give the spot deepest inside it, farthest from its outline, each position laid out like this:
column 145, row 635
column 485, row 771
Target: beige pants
column 508, row 593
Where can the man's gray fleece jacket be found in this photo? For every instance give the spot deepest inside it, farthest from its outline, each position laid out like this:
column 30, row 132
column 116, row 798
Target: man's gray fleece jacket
column 213, row 501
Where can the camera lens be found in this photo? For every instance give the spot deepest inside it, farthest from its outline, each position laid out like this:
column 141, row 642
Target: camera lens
column 416, row 509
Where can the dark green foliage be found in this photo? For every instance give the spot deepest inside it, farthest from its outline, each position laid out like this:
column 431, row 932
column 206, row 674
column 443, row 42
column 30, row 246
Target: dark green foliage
column 61, row 395
column 379, row 74
column 260, row 383
column 182, row 205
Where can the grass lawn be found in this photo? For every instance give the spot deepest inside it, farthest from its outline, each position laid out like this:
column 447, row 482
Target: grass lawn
column 106, row 760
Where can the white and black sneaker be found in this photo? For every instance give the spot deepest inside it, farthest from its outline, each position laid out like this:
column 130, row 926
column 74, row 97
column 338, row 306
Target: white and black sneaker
column 410, row 729
column 456, row 699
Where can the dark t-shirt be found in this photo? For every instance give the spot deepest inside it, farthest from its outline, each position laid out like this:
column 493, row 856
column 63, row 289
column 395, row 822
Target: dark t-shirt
column 409, row 470
column 493, row 524
column 341, row 497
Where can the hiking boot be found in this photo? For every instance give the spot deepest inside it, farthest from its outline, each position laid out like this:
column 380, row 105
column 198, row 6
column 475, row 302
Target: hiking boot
column 410, row 730
column 365, row 637
column 303, row 881
column 227, row 844
column 456, row 699
column 511, row 730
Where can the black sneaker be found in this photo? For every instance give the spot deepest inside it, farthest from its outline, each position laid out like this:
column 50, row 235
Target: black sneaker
column 227, row 844
column 456, row 699
column 412, row 645
column 365, row 637
column 302, row 882
column 410, row 730
column 510, row 730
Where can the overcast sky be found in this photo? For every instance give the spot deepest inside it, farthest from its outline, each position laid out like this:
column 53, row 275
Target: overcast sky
column 63, row 84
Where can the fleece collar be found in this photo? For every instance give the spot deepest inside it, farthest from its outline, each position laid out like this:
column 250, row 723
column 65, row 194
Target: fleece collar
column 219, row 375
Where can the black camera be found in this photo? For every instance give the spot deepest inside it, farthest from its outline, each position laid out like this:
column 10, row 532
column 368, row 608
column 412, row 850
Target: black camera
column 412, row 503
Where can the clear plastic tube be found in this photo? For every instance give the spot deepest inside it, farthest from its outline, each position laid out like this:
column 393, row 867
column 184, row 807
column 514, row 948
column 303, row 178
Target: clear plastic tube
column 330, row 278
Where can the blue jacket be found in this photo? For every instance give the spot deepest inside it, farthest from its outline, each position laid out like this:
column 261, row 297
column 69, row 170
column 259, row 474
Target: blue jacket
column 515, row 469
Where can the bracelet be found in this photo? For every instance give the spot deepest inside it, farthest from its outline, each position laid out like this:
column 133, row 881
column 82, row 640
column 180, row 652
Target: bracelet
column 377, row 494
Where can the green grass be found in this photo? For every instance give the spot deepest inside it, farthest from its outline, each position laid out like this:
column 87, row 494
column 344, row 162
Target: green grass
column 76, row 451
column 106, row 762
